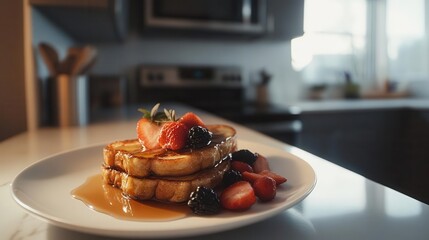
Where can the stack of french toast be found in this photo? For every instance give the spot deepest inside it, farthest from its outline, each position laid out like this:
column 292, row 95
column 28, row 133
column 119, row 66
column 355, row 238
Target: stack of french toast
column 186, row 161
column 170, row 158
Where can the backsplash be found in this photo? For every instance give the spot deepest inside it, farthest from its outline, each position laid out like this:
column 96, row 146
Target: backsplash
column 251, row 55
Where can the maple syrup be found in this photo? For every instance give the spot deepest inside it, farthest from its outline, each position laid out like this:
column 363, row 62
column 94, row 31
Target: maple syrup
column 104, row 198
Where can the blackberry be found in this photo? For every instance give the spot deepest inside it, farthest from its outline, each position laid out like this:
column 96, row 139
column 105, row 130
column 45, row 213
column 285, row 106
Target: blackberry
column 230, row 177
column 199, row 137
column 244, row 155
column 204, row 201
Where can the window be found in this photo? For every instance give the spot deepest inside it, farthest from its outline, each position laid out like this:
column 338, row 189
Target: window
column 334, row 40
column 372, row 40
column 407, row 53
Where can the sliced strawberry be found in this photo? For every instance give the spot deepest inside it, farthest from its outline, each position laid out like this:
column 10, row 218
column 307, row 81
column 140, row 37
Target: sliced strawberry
column 238, row 197
column 190, row 119
column 251, row 177
column 260, row 164
column 173, row 135
column 241, row 167
column 279, row 179
column 148, row 132
column 265, row 188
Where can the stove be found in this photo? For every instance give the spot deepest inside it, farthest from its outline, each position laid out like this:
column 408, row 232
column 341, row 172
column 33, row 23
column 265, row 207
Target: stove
column 190, row 76
column 211, row 85
column 218, row 90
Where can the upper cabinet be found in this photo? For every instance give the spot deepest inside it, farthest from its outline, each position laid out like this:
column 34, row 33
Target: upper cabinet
column 88, row 21
column 112, row 20
column 285, row 19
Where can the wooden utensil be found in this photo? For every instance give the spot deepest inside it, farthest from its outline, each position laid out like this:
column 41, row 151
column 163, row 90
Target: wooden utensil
column 85, row 57
column 71, row 63
column 90, row 63
column 68, row 64
column 50, row 57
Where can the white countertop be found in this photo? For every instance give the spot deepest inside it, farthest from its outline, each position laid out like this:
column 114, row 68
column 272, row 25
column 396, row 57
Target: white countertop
column 343, row 205
column 362, row 104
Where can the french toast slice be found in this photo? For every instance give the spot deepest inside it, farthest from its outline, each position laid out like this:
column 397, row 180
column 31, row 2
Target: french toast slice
column 165, row 189
column 128, row 156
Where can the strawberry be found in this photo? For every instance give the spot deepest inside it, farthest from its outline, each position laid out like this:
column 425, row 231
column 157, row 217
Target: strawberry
column 241, row 167
column 150, row 125
column 173, row 135
column 265, row 188
column 238, row 197
column 148, row 132
column 250, row 176
column 190, row 119
column 279, row 179
column 260, row 164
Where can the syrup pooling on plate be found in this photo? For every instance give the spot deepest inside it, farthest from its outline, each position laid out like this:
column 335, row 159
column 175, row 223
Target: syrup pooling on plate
column 104, row 198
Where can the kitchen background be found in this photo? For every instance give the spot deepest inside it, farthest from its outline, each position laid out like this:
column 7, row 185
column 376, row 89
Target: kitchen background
column 309, row 48
column 317, row 53
column 124, row 56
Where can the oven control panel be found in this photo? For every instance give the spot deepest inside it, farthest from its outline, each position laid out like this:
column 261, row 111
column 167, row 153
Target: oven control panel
column 188, row 76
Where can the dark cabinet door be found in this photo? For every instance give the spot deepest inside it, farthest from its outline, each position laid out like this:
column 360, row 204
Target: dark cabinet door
column 414, row 161
column 389, row 146
column 88, row 21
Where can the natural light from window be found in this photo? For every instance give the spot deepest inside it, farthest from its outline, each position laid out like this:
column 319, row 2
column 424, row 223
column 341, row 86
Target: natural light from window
column 339, row 37
column 407, row 48
column 398, row 206
column 333, row 42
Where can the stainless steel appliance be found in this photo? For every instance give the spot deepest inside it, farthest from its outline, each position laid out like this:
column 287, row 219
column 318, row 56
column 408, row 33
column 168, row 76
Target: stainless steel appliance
column 190, row 76
column 234, row 16
column 198, row 85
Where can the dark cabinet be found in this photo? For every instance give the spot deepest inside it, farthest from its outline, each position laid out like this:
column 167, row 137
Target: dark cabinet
column 285, row 19
column 414, row 161
column 389, row 146
column 88, row 21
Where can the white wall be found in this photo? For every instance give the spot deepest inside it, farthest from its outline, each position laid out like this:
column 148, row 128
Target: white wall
column 45, row 31
column 251, row 55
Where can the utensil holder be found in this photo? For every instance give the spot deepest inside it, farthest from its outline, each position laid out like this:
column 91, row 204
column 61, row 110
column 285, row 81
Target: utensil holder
column 262, row 95
column 71, row 100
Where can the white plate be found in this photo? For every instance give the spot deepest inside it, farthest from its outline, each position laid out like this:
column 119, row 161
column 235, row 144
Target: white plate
column 43, row 189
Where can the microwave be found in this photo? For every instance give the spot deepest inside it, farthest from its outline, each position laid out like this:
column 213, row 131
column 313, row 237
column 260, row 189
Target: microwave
column 229, row 16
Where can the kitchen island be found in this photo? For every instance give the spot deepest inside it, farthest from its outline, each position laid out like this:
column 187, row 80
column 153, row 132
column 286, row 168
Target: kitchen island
column 384, row 140
column 343, row 204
